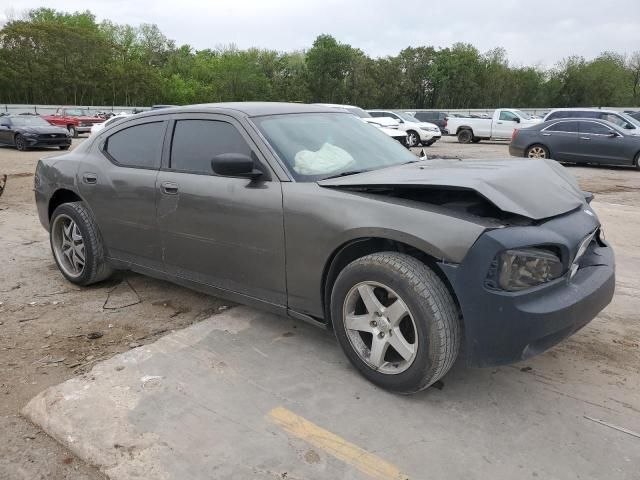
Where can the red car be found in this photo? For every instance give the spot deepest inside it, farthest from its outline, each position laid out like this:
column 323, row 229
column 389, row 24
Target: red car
column 76, row 120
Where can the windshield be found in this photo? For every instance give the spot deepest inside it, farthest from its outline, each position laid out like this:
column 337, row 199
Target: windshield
column 633, row 121
column 522, row 115
column 314, row 146
column 28, row 121
column 358, row 112
column 78, row 112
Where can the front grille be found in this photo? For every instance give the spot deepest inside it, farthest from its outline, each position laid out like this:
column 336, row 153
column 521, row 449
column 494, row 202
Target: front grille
column 51, row 136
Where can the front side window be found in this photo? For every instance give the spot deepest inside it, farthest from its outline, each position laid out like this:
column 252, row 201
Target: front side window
column 508, row 116
column 137, row 146
column 196, row 142
column 567, row 127
column 594, row 128
column 314, row 146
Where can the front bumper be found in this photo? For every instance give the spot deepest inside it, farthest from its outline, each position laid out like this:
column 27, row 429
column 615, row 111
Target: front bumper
column 47, row 141
column 426, row 136
column 505, row 327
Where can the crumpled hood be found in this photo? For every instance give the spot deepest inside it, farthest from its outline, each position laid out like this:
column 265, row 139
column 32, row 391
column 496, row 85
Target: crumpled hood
column 536, row 189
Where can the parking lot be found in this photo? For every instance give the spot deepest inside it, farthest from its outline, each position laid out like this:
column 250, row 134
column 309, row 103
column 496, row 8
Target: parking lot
column 230, row 390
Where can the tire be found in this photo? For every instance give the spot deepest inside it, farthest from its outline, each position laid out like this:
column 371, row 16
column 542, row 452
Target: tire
column 537, row 151
column 95, row 268
column 636, row 161
column 465, row 136
column 20, row 142
column 64, row 147
column 429, row 143
column 430, row 327
column 413, row 139
column 476, row 140
column 72, row 131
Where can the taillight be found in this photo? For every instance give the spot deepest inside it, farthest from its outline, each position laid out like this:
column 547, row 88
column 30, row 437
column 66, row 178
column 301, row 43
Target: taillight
column 514, row 134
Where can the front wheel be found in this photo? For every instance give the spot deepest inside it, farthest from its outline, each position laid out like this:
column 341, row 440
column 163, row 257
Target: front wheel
column 537, row 151
column 73, row 131
column 465, row 136
column 396, row 321
column 77, row 246
column 636, row 161
column 21, row 143
column 413, row 139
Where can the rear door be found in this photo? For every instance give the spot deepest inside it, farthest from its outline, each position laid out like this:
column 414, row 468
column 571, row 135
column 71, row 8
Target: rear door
column 505, row 124
column 562, row 140
column 118, row 180
column 598, row 143
column 220, row 231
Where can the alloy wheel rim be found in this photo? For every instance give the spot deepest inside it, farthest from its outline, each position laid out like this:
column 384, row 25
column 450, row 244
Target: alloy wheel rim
column 19, row 143
column 537, row 152
column 412, row 139
column 68, row 245
column 380, row 327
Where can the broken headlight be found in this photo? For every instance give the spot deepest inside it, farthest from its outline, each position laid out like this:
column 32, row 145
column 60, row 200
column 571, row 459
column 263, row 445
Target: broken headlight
column 515, row 270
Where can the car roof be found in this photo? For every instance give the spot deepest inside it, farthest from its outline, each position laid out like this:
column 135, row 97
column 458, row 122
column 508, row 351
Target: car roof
column 249, row 109
column 579, row 119
column 585, row 109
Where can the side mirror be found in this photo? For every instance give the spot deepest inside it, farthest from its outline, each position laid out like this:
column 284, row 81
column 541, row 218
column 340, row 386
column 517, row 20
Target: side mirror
column 400, row 120
column 613, row 134
column 234, row 165
column 517, row 119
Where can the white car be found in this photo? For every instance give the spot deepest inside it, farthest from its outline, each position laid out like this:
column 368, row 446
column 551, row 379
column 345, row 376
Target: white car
column 387, row 125
column 418, row 132
column 99, row 126
column 386, row 122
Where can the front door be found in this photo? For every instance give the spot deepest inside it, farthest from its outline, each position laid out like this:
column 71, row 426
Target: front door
column 121, row 189
column 505, row 124
column 220, row 231
column 600, row 144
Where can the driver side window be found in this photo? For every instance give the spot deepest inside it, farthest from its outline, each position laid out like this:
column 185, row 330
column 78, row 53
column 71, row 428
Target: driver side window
column 508, row 116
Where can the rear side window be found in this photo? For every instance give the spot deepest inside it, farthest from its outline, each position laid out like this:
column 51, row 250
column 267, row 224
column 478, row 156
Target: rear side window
column 138, row 146
column 196, row 142
column 568, row 127
column 594, row 128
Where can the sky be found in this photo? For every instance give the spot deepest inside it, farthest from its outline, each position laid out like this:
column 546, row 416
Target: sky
column 539, row 32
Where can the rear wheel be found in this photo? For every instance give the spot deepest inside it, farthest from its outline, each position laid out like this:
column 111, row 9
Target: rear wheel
column 64, row 147
column 21, row 143
column 396, row 321
column 77, row 246
column 465, row 136
column 636, row 162
column 537, row 151
column 72, row 131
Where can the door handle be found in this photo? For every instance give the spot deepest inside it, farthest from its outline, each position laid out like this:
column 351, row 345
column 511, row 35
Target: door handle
column 585, row 138
column 546, row 134
column 499, row 123
column 90, row 178
column 169, row 188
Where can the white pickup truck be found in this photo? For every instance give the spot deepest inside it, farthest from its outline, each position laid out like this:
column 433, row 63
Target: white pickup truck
column 499, row 127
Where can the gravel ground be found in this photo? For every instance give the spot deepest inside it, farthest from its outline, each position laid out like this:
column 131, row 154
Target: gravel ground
column 51, row 330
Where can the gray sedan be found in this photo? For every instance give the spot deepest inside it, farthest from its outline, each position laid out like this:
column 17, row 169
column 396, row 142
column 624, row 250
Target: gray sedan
column 578, row 140
column 311, row 213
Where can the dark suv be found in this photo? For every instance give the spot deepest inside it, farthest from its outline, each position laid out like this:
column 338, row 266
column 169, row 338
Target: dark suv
column 437, row 118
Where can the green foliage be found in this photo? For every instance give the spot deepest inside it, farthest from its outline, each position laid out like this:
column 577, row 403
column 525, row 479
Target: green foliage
column 54, row 57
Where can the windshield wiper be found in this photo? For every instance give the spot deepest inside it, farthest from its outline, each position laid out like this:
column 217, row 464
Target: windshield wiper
column 344, row 174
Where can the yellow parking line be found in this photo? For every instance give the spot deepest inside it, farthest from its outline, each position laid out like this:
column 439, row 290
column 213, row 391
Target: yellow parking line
column 334, row 445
